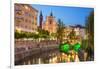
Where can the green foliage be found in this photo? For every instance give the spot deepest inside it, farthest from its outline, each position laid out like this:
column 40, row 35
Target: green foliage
column 60, row 30
column 41, row 34
column 90, row 23
column 24, row 35
column 84, row 44
column 72, row 34
column 35, row 36
column 54, row 35
column 90, row 29
column 90, row 33
column 17, row 35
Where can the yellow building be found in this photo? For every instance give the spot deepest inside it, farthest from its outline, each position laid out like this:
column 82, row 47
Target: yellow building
column 25, row 18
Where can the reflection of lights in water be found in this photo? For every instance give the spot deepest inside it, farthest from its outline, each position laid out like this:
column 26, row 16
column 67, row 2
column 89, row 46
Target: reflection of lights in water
column 39, row 60
column 68, row 58
column 76, row 58
column 50, row 60
column 53, row 60
column 73, row 56
column 33, row 60
column 63, row 54
column 24, row 63
column 29, row 62
column 61, row 57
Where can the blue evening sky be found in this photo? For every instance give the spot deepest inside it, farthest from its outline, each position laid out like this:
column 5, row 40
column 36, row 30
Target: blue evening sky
column 69, row 15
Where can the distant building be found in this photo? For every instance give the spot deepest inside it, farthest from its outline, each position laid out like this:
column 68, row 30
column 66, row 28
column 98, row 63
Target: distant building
column 25, row 18
column 50, row 24
column 78, row 29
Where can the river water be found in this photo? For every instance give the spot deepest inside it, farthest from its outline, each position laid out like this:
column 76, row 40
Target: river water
column 47, row 57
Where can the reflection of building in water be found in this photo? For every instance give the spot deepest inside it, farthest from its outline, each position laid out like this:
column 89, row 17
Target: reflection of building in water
column 50, row 24
column 25, row 18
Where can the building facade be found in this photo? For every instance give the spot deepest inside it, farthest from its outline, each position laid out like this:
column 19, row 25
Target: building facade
column 50, row 24
column 80, row 31
column 25, row 18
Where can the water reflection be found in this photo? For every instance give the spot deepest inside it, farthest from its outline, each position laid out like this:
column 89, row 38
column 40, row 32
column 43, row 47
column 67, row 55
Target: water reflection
column 49, row 57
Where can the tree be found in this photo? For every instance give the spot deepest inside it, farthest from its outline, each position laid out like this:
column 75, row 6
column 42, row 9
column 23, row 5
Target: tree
column 60, row 30
column 53, row 35
column 90, row 32
column 72, row 34
column 20, row 34
column 35, row 36
column 17, row 34
column 43, row 33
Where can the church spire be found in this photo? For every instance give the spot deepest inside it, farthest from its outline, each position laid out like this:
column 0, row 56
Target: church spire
column 41, row 13
column 51, row 14
column 41, row 19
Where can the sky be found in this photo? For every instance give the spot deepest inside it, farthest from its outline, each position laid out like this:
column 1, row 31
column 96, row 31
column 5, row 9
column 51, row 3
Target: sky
column 69, row 15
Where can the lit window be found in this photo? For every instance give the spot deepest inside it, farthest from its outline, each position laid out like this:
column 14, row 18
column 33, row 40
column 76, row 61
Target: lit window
column 26, row 7
column 26, row 14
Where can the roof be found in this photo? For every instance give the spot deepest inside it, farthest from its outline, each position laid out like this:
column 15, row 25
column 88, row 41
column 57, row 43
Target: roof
column 27, row 5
